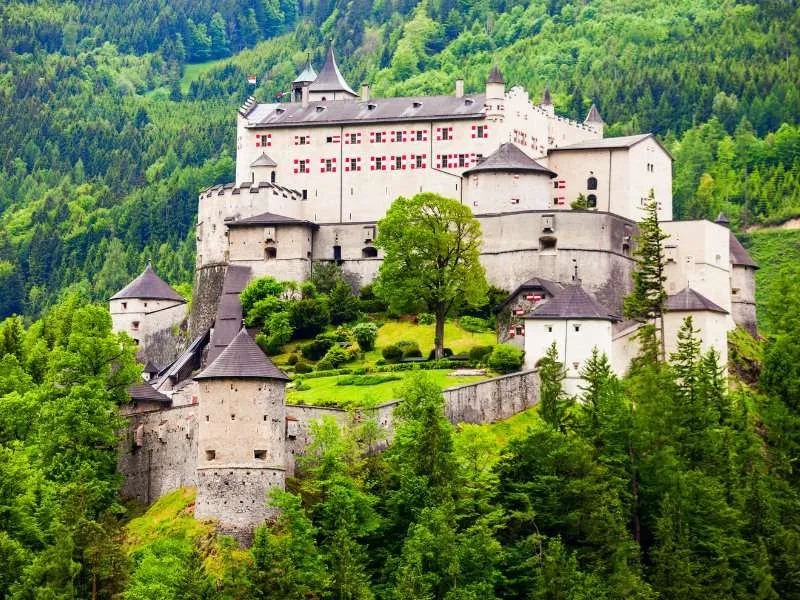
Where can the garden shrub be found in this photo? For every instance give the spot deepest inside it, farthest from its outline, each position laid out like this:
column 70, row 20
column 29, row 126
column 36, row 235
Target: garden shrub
column 336, row 356
column 259, row 289
column 301, row 367
column 344, row 306
column 426, row 319
column 325, row 365
column 316, row 349
column 392, row 353
column 309, row 316
column 365, row 380
column 365, row 335
column 505, row 358
column 473, row 324
column 479, row 353
column 262, row 310
column 412, row 352
column 446, row 352
column 292, row 360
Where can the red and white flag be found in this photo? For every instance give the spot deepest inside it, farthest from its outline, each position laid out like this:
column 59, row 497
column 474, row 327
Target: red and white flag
column 251, row 79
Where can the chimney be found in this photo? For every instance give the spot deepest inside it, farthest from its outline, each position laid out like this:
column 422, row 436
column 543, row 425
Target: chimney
column 459, row 88
column 364, row 92
column 305, row 96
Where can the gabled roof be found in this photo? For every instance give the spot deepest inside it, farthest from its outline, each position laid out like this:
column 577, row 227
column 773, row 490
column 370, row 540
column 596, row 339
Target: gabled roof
column 150, row 368
column 509, row 158
column 308, row 73
column 270, row 219
column 495, row 76
column 242, row 359
column 148, row 286
column 376, row 110
column 228, row 318
column 263, row 161
column 534, row 283
column 740, row 256
column 626, row 141
column 547, row 99
column 594, row 115
column 689, row 300
column 573, row 302
column 145, row 391
column 330, row 78
column 722, row 219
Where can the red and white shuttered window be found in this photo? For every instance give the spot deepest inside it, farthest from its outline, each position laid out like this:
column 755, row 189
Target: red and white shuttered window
column 398, row 163
column 417, row 161
column 378, row 137
column 417, row 135
column 454, row 161
column 263, row 140
column 378, row 163
column 302, row 165
column 399, row 136
column 302, row 140
column 444, row 134
column 327, row 165
column 352, row 164
column 480, row 131
column 352, row 138
column 558, row 199
column 560, row 184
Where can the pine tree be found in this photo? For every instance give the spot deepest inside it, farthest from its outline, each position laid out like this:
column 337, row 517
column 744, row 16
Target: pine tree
column 646, row 302
column 554, row 405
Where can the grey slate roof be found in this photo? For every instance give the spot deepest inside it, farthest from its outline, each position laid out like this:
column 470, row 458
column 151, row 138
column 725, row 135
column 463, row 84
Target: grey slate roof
column 573, row 302
column 228, row 319
column 740, row 256
column 535, row 283
column 387, row 110
column 149, row 367
column 148, row 286
column 263, row 161
column 270, row 219
column 189, row 360
column 495, row 76
column 689, row 300
column 722, row 219
column 594, row 115
column 608, row 143
column 145, row 391
column 509, row 158
column 242, row 359
column 330, row 78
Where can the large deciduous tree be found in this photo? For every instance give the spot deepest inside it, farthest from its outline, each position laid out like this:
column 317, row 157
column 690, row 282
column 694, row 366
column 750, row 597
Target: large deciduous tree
column 432, row 247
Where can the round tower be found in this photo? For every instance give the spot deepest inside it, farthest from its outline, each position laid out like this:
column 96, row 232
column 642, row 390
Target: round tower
column 495, row 95
column 241, row 438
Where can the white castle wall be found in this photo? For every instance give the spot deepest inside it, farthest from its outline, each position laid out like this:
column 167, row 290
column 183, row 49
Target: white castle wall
column 743, row 297
column 291, row 244
column 494, row 192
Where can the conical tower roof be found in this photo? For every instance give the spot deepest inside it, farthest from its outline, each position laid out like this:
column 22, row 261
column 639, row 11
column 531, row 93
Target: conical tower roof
column 722, row 219
column 495, row 76
column 689, row 300
column 594, row 115
column 330, row 78
column 148, row 286
column 740, row 256
column 509, row 158
column 242, row 359
column 572, row 303
column 547, row 99
column 308, row 74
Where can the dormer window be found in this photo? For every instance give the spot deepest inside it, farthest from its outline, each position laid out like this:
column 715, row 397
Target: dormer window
column 469, row 101
column 416, row 104
column 280, row 111
column 371, row 106
column 320, row 109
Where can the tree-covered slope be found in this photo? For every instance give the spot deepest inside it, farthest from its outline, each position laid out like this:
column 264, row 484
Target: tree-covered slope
column 105, row 146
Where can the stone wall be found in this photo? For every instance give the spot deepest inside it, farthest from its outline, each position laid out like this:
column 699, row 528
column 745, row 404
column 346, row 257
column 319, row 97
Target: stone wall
column 207, row 291
column 164, row 345
column 493, row 399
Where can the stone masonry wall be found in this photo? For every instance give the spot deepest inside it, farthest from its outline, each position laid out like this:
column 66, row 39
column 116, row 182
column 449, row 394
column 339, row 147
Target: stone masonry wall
column 166, row 458
column 207, row 291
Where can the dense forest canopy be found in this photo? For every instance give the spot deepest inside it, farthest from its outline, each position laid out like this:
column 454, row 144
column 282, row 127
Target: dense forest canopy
column 112, row 123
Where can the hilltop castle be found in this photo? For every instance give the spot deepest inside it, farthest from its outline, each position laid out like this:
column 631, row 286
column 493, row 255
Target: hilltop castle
column 313, row 177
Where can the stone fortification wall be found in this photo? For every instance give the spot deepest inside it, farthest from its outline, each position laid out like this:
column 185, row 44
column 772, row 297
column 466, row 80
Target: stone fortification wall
column 159, row 450
column 207, row 291
column 158, row 453
column 164, row 345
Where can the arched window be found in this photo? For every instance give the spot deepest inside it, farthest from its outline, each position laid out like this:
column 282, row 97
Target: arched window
column 591, row 183
column 270, row 252
column 369, row 252
column 591, row 201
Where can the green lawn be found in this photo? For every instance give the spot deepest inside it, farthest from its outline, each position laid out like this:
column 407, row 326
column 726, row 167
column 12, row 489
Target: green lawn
column 195, row 70
column 324, row 391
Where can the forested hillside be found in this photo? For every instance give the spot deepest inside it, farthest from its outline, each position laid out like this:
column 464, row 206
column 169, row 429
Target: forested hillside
column 110, row 127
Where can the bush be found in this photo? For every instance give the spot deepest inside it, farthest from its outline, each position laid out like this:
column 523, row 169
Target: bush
column 299, row 386
column 259, row 289
column 505, row 358
column 412, row 353
column 262, row 310
column 324, row 365
column 344, row 306
column 292, row 360
column 365, row 380
column 336, row 356
column 316, row 349
column 309, row 316
column 301, row 367
column 308, row 290
column 479, row 353
column 371, row 306
column 426, row 319
column 392, row 353
column 406, row 345
column 472, row 324
column 446, row 352
column 365, row 334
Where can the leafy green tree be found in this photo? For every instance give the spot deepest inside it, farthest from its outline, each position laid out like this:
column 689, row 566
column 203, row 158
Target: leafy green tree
column 343, row 304
column 432, row 247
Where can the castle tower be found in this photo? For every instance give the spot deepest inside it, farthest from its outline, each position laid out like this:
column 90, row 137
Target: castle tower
column 495, row 95
column 329, row 84
column 547, row 102
column 145, row 306
column 241, row 435
column 306, row 78
column 743, row 282
column 593, row 119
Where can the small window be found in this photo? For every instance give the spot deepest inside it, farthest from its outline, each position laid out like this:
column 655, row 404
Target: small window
column 591, row 183
column 302, row 140
column 398, row 162
column 260, row 454
column 305, row 194
column 378, row 163
column 211, row 454
column 462, row 160
column 576, row 327
column 398, row 136
column 124, row 305
column 145, row 304
column 272, row 177
column 206, row 418
column 515, row 201
column 369, row 252
column 378, row 137
column 418, row 161
column 337, row 253
column 419, row 135
column 353, row 164
column 233, row 417
column 445, row 133
column 479, row 131
column 302, row 167
column 591, row 201
column 547, row 242
column 548, row 328
column 270, row 253
column 135, row 326
column 328, row 165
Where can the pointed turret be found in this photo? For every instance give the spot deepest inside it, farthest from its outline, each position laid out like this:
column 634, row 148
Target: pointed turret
column 594, row 115
column 722, row 219
column 329, row 84
column 303, row 80
column 495, row 95
column 495, row 76
column 148, row 286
